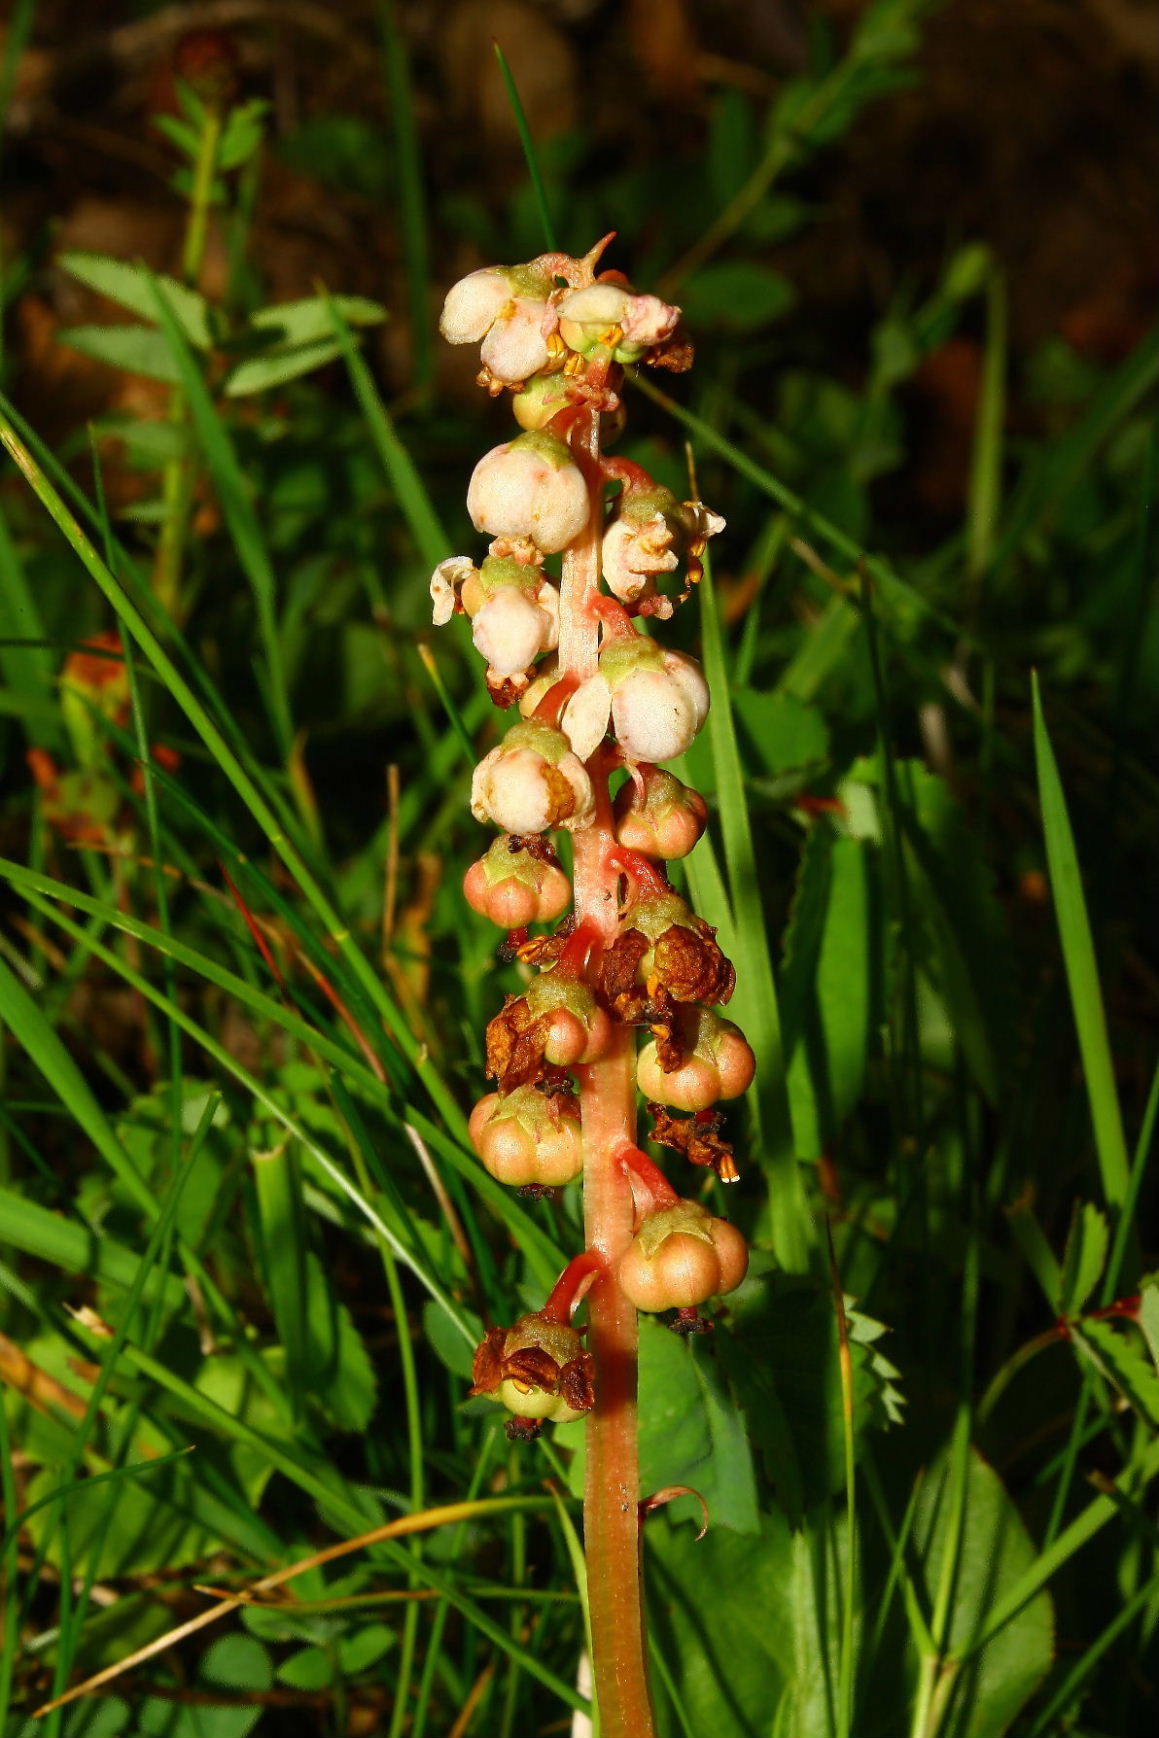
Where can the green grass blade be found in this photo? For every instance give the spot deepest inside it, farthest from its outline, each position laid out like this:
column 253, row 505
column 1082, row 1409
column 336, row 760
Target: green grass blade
column 26, row 664
column 402, row 472
column 1081, row 968
column 240, row 514
column 755, row 1000
column 412, row 195
column 46, row 1050
column 244, row 784
column 541, row 200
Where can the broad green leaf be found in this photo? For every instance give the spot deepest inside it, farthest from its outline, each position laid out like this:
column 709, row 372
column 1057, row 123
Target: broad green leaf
column 46, row 1050
column 133, row 349
column 445, row 1340
column 1123, row 1362
column 310, row 321
column 965, row 928
column 782, row 733
column 339, row 1372
column 1149, row 1313
column 751, row 1625
column 995, row 1550
column 691, row 1431
column 311, row 1668
column 279, row 365
column 150, row 1528
column 828, row 985
column 783, row 1359
column 129, row 285
column 1085, row 1258
column 737, row 295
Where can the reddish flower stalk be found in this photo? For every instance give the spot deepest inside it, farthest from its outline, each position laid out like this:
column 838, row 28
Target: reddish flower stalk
column 631, row 953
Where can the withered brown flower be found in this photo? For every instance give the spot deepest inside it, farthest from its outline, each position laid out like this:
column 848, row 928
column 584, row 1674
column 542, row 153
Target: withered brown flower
column 698, row 1137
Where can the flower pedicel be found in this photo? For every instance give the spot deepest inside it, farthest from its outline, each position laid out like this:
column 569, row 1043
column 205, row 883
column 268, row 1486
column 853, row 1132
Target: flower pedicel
column 611, row 703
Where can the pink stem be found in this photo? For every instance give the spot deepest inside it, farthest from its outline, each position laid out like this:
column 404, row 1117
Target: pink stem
column 608, row 1111
column 650, row 1176
column 570, row 1288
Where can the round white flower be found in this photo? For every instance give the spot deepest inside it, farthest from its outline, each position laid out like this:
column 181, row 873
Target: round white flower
column 529, row 487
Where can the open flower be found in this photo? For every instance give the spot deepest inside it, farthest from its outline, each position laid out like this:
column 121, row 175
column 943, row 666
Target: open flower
column 530, row 487
column 508, row 309
column 649, row 535
column 655, row 700
column 531, row 782
column 612, row 316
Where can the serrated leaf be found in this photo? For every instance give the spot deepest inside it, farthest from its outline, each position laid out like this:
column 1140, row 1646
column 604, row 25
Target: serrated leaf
column 995, row 1550
column 276, row 367
column 133, row 349
column 308, row 321
column 1122, row 1361
column 178, row 132
column 243, row 133
column 1084, row 1259
column 130, row 287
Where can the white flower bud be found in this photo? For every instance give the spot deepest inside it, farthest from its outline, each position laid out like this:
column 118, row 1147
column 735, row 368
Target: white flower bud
column 511, row 630
column 659, row 699
column 529, row 487
column 516, row 346
column 447, row 582
column 531, row 782
column 586, row 716
column 648, row 321
column 473, row 305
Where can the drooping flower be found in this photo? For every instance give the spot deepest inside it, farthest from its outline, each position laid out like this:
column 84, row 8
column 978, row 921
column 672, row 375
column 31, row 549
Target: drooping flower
column 656, row 701
column 612, row 316
column 508, row 309
column 529, row 1139
column 680, row 1257
column 701, row 1060
column 530, row 488
column 517, row 882
column 650, row 534
column 531, row 782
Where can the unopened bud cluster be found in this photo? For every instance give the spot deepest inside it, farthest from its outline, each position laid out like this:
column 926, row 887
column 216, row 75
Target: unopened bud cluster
column 559, row 335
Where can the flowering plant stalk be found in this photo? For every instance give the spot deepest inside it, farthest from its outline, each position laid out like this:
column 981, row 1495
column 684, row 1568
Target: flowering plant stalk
column 600, row 704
